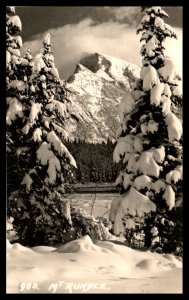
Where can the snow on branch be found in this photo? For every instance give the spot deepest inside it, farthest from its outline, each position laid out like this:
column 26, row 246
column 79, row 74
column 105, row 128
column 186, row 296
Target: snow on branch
column 169, row 196
column 15, row 21
column 152, row 44
column 47, row 39
column 160, row 96
column 174, row 127
column 17, row 84
column 124, row 145
column 169, row 30
column 44, row 154
column 114, row 208
column 8, row 57
column 60, row 107
column 159, row 154
column 158, row 185
column 157, row 10
column 127, row 180
column 150, row 77
column 126, row 105
column 132, row 165
column 145, row 19
column 54, row 165
column 38, row 63
column 166, row 105
column 35, row 110
column 174, row 175
column 147, row 162
column 133, row 203
column 155, row 93
column 159, row 23
column 59, row 147
column 37, row 135
column 142, row 181
column 14, row 110
column 18, row 41
column 177, row 90
column 152, row 126
column 54, row 71
column 61, row 130
column 168, row 71
column 138, row 143
column 27, row 181
column 11, row 10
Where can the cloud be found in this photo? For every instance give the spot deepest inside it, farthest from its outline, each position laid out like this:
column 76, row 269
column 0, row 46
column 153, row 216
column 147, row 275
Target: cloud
column 130, row 14
column 112, row 38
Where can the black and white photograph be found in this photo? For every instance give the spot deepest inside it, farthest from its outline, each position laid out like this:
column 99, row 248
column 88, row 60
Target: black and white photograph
column 94, row 149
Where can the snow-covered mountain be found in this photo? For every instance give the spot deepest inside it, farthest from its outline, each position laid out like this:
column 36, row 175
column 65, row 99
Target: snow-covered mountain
column 96, row 88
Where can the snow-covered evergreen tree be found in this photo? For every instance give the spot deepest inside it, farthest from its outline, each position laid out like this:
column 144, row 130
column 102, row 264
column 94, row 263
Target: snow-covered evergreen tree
column 18, row 72
column 149, row 143
column 38, row 208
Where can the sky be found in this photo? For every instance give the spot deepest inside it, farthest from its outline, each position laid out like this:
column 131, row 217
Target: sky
column 106, row 29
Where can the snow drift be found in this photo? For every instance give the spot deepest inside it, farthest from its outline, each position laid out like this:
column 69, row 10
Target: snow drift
column 82, row 266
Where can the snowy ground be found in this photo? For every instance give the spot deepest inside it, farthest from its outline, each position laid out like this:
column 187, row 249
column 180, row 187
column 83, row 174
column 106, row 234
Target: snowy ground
column 101, row 206
column 82, row 266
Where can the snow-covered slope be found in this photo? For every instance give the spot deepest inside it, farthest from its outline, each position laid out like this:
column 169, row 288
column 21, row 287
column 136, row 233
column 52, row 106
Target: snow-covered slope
column 82, row 266
column 97, row 86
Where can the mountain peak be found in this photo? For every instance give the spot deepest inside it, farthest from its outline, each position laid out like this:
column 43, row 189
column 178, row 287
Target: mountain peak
column 97, row 86
column 110, row 68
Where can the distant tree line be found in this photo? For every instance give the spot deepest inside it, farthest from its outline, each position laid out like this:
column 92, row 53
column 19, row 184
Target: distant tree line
column 94, row 161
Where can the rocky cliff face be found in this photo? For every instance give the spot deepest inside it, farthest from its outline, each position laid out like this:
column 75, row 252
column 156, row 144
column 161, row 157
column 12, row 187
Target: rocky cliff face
column 96, row 88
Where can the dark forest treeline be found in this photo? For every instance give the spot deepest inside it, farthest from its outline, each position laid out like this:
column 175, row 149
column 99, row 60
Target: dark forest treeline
column 94, row 164
column 94, row 161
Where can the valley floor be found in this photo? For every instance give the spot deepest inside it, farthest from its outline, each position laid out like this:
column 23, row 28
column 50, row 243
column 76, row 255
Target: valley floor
column 82, row 266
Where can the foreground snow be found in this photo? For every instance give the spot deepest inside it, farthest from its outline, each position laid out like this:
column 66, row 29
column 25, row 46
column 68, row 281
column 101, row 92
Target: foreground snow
column 84, row 267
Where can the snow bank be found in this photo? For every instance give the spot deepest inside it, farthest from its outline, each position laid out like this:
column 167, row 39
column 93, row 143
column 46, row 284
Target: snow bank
column 82, row 266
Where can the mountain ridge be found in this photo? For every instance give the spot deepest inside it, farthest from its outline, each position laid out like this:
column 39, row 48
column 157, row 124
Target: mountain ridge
column 95, row 90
